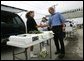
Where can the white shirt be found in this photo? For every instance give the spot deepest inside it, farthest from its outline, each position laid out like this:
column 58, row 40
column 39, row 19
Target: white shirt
column 44, row 28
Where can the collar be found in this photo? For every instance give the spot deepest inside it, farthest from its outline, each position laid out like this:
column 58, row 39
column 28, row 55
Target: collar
column 53, row 14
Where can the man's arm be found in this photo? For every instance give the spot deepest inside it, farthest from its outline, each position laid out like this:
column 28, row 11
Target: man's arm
column 46, row 25
column 49, row 22
column 62, row 19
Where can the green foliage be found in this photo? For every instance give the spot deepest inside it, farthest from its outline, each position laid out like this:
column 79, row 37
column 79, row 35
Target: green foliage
column 34, row 32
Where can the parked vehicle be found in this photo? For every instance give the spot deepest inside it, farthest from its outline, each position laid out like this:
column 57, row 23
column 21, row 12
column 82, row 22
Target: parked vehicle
column 11, row 23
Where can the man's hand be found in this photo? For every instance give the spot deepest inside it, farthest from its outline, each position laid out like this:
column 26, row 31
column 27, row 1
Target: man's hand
column 63, row 27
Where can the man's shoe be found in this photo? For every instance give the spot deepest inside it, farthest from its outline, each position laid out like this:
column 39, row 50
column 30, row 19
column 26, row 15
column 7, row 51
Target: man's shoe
column 61, row 56
column 57, row 52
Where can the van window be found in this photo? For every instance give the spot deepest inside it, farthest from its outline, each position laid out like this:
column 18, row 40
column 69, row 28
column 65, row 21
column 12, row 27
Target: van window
column 14, row 21
column 19, row 20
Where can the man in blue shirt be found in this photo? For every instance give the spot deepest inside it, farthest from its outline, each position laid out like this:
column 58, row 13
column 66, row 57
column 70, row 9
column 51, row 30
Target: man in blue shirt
column 56, row 22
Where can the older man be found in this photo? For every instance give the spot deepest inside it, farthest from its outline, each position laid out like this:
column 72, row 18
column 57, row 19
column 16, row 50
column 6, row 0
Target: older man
column 56, row 22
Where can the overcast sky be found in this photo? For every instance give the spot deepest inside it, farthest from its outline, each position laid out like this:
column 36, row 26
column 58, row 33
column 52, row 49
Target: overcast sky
column 41, row 7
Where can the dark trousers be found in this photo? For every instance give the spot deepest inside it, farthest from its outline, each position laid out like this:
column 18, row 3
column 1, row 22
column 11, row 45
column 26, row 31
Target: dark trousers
column 58, row 38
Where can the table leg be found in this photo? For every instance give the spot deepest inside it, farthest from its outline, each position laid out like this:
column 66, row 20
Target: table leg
column 13, row 53
column 26, row 54
column 40, row 46
column 50, row 50
column 47, row 42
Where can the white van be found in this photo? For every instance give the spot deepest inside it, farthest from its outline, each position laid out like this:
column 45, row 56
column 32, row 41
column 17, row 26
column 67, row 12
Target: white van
column 11, row 22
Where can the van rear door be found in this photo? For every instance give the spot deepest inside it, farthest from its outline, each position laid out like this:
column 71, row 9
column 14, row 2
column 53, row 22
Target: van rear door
column 11, row 9
column 20, row 26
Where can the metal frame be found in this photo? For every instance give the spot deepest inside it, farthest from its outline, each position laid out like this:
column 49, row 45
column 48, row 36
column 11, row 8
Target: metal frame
column 25, row 52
